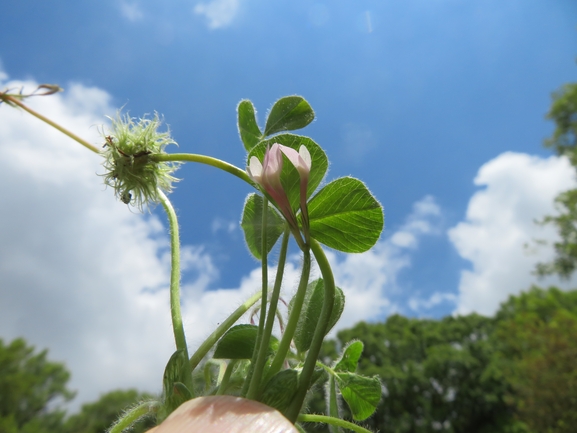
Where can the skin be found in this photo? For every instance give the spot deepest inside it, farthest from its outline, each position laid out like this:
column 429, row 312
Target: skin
column 219, row 414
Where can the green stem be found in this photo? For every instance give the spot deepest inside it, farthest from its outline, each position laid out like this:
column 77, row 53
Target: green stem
column 252, row 389
column 205, row 347
column 175, row 312
column 203, row 159
column 134, row 415
column 320, row 332
column 256, row 379
column 291, row 326
column 51, row 123
column 332, row 401
column 218, row 363
column 332, row 421
column 226, row 378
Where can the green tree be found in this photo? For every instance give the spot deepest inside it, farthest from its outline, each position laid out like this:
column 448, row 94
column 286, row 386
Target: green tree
column 564, row 142
column 438, row 375
column 538, row 349
column 98, row 416
column 513, row 373
column 31, row 390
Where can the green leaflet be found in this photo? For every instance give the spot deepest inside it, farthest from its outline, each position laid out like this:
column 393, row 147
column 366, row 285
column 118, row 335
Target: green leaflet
column 247, row 127
column 251, row 224
column 345, row 216
column 280, row 389
column 311, row 311
column 238, row 343
column 350, row 357
column 287, row 114
column 174, row 390
column 361, row 393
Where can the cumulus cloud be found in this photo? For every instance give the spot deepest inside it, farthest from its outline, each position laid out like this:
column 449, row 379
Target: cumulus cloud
column 219, row 13
column 500, row 223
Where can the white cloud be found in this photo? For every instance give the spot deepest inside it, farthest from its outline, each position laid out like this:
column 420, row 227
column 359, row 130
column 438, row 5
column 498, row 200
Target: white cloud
column 500, row 220
column 418, row 304
column 131, row 11
column 219, row 13
column 220, row 224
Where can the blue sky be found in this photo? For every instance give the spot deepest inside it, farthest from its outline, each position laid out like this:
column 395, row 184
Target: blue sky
column 438, row 106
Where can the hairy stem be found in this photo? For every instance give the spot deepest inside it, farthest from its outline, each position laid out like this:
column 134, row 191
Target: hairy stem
column 291, row 325
column 332, row 401
column 320, row 331
column 175, row 312
column 226, row 378
column 254, row 389
column 332, row 421
column 248, row 386
column 203, row 159
column 65, row 131
column 221, row 329
column 132, row 416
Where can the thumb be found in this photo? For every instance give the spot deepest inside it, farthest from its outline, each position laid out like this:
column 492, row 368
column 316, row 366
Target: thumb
column 219, row 414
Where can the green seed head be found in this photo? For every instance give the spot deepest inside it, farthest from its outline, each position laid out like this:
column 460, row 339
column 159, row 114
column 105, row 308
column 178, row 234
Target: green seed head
column 130, row 170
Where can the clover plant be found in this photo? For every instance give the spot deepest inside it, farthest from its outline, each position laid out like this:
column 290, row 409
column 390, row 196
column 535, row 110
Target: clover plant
column 287, row 172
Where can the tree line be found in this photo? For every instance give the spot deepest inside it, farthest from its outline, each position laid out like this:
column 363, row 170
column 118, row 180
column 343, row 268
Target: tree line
column 514, row 372
column 33, row 391
column 511, row 373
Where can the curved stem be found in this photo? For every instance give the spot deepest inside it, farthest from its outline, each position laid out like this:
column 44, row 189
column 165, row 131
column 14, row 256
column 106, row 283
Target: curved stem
column 203, row 159
column 256, row 379
column 204, row 348
column 332, row 402
column 51, row 123
column 134, row 415
column 177, row 325
column 226, row 378
column 332, row 421
column 253, row 384
column 291, row 326
column 320, row 331
column 249, row 388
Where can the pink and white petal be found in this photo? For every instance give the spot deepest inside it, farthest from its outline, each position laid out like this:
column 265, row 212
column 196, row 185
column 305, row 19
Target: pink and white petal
column 306, row 156
column 292, row 155
column 254, row 169
column 273, row 160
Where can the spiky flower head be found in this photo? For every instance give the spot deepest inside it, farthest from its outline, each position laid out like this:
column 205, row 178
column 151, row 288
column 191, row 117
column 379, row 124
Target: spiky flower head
column 128, row 159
